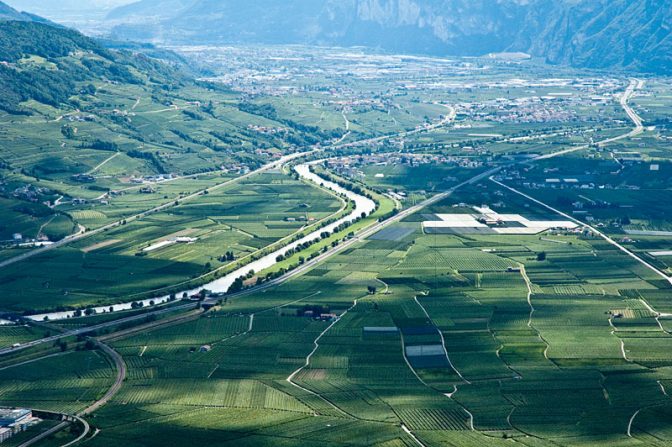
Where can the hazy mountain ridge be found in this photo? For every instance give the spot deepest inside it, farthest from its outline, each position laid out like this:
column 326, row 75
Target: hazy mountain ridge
column 583, row 33
column 9, row 13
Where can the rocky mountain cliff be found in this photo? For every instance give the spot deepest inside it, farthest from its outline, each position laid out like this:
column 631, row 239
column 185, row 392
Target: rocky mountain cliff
column 632, row 34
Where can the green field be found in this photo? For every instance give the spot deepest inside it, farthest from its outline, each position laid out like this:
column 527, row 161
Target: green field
column 240, row 219
column 407, row 337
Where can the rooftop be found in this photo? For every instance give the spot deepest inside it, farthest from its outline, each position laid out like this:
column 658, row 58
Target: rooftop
column 11, row 415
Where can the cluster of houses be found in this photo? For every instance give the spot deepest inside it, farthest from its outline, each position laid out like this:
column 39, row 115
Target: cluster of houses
column 320, row 313
column 300, row 219
column 267, row 130
column 83, row 178
column 328, row 316
column 19, row 240
column 352, row 166
column 31, row 193
column 535, row 109
column 238, row 169
column 77, row 118
column 15, row 420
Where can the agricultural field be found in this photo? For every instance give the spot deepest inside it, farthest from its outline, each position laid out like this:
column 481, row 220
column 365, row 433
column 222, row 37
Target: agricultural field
column 481, row 347
column 63, row 383
column 387, row 331
column 239, row 219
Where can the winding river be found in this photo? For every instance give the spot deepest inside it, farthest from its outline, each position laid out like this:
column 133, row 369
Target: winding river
column 361, row 205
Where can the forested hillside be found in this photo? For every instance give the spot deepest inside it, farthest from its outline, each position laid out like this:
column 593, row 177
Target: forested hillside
column 44, row 63
column 90, row 133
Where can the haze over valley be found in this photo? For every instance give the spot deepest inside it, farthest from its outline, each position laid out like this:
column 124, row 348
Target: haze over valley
column 390, row 223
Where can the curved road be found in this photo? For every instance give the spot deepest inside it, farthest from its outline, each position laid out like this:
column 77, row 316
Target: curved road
column 635, row 84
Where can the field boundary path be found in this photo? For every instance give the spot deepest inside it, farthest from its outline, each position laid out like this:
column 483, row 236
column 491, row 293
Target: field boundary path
column 316, row 344
column 530, row 292
column 443, row 341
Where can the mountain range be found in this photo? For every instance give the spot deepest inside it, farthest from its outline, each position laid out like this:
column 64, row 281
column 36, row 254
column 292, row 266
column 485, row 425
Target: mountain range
column 627, row 34
column 9, row 13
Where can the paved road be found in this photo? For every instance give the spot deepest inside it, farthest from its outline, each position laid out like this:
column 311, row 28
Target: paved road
column 649, row 266
column 635, row 84
column 57, row 428
column 120, row 365
column 41, row 436
column 79, row 331
column 82, row 235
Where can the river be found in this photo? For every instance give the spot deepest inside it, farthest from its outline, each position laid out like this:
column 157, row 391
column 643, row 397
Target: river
column 361, row 205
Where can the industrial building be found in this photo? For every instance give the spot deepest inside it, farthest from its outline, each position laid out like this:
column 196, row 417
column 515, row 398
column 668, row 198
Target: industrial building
column 13, row 421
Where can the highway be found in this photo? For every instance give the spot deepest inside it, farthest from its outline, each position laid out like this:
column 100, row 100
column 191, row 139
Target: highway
column 270, row 166
column 85, row 234
column 120, row 366
column 85, row 330
column 624, row 100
